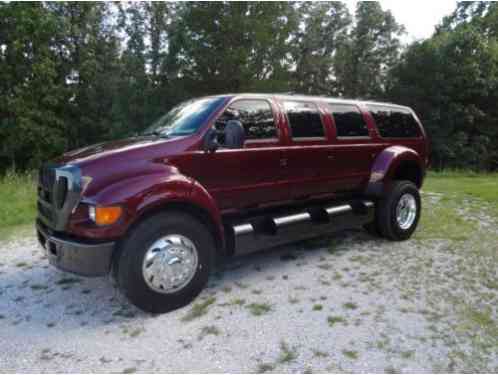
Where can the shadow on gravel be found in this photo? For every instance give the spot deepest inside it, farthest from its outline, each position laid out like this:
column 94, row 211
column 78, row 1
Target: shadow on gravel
column 34, row 293
column 296, row 254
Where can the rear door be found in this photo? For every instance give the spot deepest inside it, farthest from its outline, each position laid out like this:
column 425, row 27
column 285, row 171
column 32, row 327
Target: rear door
column 306, row 158
column 354, row 147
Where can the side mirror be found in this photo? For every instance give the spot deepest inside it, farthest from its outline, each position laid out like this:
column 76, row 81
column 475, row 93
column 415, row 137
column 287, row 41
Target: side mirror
column 235, row 134
column 211, row 141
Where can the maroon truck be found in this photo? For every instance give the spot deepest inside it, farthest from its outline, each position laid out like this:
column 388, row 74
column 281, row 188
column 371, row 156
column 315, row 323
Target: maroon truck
column 226, row 175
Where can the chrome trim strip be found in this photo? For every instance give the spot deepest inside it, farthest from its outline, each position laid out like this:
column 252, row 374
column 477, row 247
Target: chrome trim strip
column 339, row 209
column 285, row 220
column 242, row 229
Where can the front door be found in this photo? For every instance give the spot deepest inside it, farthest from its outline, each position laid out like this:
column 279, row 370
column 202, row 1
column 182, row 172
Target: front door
column 249, row 176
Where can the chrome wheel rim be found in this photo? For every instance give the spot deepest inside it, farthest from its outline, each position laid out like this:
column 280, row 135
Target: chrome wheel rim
column 170, row 263
column 406, row 211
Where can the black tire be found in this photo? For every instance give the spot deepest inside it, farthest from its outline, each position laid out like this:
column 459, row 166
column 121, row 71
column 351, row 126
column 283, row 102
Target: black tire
column 385, row 215
column 127, row 264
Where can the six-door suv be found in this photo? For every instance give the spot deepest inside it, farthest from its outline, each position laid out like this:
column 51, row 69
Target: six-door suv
column 224, row 175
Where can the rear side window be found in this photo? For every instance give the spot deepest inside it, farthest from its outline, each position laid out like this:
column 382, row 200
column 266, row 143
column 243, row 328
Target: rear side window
column 255, row 115
column 304, row 119
column 348, row 120
column 394, row 123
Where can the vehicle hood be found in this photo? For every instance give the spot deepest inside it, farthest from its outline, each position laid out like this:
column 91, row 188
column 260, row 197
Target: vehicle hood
column 128, row 147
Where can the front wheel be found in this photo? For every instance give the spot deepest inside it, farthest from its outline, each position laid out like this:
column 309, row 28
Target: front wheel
column 164, row 262
column 398, row 213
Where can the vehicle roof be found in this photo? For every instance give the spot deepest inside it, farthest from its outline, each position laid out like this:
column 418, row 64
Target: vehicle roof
column 290, row 97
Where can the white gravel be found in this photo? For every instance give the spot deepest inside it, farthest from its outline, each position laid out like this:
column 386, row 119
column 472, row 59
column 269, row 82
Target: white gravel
column 392, row 307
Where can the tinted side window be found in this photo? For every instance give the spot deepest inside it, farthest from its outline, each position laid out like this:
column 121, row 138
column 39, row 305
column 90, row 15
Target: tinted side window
column 348, row 120
column 255, row 115
column 394, row 123
column 304, row 120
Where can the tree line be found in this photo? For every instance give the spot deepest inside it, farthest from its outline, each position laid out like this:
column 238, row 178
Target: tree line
column 73, row 74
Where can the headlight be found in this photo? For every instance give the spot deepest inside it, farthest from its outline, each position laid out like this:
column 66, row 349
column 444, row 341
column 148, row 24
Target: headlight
column 104, row 215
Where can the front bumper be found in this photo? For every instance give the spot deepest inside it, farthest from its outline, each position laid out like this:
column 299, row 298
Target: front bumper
column 81, row 258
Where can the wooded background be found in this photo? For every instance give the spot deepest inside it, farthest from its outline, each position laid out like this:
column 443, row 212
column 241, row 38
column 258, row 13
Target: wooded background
column 73, row 74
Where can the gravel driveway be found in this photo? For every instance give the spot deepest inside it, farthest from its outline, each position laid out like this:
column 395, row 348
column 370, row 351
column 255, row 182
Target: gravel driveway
column 346, row 303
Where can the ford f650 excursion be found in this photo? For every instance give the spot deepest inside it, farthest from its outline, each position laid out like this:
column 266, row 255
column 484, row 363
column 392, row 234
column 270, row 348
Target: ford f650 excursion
column 227, row 175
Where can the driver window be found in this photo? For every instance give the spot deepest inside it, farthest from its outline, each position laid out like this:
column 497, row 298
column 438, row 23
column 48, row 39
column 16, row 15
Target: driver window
column 255, row 115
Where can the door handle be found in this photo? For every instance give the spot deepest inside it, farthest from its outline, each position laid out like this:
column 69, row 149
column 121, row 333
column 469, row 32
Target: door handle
column 283, row 162
column 330, row 157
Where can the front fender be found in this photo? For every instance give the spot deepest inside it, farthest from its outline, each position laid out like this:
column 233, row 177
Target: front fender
column 385, row 165
column 144, row 193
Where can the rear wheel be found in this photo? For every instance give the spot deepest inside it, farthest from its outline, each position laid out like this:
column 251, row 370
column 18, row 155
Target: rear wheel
column 164, row 262
column 398, row 213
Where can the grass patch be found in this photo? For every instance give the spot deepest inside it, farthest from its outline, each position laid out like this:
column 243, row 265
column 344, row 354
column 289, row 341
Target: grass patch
column 350, row 306
column 17, row 201
column 238, row 302
column 265, row 367
column 209, row 330
column 136, row 332
column 335, row 319
column 351, row 354
column 199, row 309
column 319, row 354
column 317, row 307
column 443, row 221
column 259, row 309
column 464, row 183
column 287, row 354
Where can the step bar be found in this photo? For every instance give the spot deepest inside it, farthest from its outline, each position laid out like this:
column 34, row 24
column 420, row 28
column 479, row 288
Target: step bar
column 268, row 231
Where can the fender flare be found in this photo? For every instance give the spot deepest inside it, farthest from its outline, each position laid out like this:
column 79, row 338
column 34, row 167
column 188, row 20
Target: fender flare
column 146, row 194
column 385, row 166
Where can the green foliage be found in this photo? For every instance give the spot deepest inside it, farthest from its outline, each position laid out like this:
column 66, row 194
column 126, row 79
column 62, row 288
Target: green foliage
column 451, row 80
column 17, row 201
column 364, row 61
column 464, row 184
column 72, row 74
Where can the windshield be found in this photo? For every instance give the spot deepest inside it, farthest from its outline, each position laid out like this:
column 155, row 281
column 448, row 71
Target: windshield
column 185, row 118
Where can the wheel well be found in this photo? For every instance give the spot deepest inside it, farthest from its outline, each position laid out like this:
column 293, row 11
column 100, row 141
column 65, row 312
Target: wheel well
column 199, row 213
column 409, row 170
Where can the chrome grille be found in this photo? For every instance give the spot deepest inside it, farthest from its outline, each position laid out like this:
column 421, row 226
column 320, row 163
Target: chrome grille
column 59, row 191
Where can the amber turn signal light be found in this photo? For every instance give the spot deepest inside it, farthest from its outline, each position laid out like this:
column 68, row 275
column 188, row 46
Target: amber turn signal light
column 105, row 215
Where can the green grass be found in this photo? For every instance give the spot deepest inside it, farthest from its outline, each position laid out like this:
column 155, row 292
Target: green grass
column 17, row 201
column 332, row 320
column 444, row 219
column 258, row 309
column 351, row 354
column 462, row 183
column 287, row 354
column 199, row 309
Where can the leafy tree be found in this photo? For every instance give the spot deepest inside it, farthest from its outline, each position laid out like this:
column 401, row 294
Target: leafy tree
column 323, row 28
column 31, row 125
column 363, row 62
column 233, row 46
column 452, row 82
column 72, row 74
